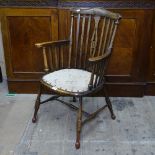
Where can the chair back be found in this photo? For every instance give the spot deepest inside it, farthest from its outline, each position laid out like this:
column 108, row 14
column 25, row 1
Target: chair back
column 91, row 34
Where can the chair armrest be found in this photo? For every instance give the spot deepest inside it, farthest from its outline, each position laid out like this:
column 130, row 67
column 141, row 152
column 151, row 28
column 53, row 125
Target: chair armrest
column 52, row 43
column 100, row 58
column 96, row 68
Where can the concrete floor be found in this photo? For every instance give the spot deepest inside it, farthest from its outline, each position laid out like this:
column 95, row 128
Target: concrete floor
column 132, row 133
column 15, row 112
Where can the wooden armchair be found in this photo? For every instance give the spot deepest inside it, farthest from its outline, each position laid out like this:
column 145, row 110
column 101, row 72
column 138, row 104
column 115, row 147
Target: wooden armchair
column 76, row 67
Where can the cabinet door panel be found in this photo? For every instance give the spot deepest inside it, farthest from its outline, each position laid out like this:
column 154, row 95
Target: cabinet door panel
column 126, row 33
column 121, row 61
column 24, row 33
column 22, row 29
column 131, row 43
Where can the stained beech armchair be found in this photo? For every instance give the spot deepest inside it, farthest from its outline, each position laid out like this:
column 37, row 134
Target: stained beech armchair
column 76, row 67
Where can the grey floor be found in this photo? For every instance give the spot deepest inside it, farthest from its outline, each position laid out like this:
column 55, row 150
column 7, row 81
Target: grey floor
column 132, row 133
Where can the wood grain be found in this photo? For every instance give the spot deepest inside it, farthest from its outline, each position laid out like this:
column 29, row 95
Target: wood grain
column 131, row 69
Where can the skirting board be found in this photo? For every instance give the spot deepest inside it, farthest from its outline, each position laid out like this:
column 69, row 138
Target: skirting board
column 114, row 89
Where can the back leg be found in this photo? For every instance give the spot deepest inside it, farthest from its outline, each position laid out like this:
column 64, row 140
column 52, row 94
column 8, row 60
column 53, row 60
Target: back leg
column 107, row 99
column 37, row 105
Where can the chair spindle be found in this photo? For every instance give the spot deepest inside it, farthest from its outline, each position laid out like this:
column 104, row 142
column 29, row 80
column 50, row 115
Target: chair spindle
column 46, row 68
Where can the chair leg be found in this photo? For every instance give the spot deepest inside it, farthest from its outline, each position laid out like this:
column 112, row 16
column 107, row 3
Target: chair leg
column 74, row 99
column 79, row 124
column 37, row 105
column 109, row 104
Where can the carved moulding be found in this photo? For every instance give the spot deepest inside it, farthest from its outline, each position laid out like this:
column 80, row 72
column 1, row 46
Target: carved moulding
column 150, row 4
column 29, row 3
column 108, row 3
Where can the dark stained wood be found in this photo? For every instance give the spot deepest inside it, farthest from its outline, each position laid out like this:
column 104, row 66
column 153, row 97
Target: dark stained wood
column 150, row 75
column 51, row 43
column 97, row 60
column 130, row 47
column 114, row 89
column 64, row 29
column 21, row 29
column 131, row 69
column 23, row 47
column 23, row 86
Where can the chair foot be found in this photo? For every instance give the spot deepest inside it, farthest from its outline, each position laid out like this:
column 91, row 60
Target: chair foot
column 113, row 116
column 36, row 108
column 107, row 99
column 110, row 108
column 37, row 105
column 34, row 120
column 77, row 145
column 74, row 99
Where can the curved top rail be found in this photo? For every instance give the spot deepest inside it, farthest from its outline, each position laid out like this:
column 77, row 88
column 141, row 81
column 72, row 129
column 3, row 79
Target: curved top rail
column 97, row 11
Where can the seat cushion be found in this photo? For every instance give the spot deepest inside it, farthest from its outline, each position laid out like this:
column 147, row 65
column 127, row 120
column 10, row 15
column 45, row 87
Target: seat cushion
column 72, row 80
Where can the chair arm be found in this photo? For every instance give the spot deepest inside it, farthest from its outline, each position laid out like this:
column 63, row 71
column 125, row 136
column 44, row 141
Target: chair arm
column 100, row 58
column 52, row 43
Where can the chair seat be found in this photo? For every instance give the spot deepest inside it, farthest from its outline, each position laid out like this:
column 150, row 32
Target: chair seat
column 72, row 80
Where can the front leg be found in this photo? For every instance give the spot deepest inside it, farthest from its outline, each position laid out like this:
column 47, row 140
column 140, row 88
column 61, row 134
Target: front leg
column 109, row 104
column 37, row 105
column 79, row 124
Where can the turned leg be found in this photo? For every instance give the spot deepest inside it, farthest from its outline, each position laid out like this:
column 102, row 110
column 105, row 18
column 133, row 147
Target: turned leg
column 36, row 107
column 79, row 124
column 109, row 104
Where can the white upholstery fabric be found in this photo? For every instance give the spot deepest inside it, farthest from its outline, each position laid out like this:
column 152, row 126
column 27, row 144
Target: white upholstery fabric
column 73, row 80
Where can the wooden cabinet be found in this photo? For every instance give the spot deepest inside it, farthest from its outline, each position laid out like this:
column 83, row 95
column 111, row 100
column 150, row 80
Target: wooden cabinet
column 21, row 29
column 129, row 68
column 150, row 84
column 126, row 73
